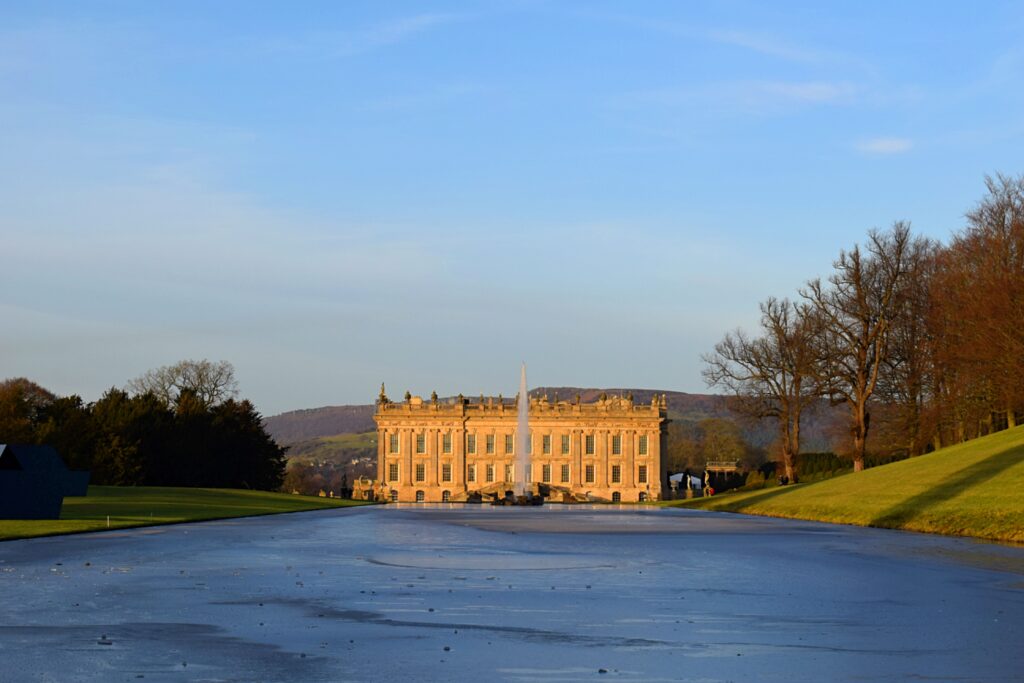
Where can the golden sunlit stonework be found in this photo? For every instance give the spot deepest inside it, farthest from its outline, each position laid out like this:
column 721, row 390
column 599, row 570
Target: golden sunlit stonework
column 461, row 449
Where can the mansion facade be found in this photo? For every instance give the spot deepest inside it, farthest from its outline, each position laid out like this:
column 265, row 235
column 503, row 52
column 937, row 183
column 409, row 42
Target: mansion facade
column 461, row 449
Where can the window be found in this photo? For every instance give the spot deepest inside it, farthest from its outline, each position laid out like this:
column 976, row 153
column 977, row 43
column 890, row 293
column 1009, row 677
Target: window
column 590, row 444
column 616, row 497
column 446, row 443
column 590, row 474
column 393, row 443
column 490, row 473
column 490, row 444
column 421, row 443
column 643, row 444
column 420, row 497
column 393, row 471
column 616, row 474
column 471, row 473
column 421, row 472
column 565, row 444
column 394, row 496
column 509, row 443
column 529, row 473
column 447, row 496
column 509, row 473
column 565, row 474
column 641, row 474
column 545, row 473
column 471, row 444
column 446, row 472
column 617, row 445
column 546, row 444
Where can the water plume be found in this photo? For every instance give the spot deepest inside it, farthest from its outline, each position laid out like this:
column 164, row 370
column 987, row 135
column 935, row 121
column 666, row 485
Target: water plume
column 523, row 436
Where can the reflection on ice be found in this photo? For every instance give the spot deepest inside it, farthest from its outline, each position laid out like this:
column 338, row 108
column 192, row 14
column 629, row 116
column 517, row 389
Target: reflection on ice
column 488, row 562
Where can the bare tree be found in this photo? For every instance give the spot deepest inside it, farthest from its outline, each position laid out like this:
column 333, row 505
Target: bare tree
column 909, row 377
column 856, row 309
column 211, row 383
column 771, row 376
column 993, row 248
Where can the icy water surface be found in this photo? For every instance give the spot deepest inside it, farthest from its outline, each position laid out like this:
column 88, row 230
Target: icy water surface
column 510, row 594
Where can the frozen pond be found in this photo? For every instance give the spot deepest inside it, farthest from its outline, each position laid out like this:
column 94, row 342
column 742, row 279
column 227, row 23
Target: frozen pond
column 510, row 594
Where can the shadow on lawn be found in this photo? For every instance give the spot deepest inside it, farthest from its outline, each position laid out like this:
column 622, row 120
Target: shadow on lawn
column 741, row 505
column 950, row 487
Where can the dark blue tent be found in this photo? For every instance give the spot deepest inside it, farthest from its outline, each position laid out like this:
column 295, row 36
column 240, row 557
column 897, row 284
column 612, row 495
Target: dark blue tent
column 34, row 481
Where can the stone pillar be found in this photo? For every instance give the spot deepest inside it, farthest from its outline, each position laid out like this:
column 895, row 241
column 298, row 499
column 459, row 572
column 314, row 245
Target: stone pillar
column 655, row 443
column 408, row 442
column 576, row 457
column 629, row 451
column 459, row 461
column 382, row 437
column 433, row 458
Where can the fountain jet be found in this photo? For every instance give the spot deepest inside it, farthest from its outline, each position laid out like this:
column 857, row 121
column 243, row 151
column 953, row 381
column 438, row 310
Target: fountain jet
column 521, row 492
column 523, row 435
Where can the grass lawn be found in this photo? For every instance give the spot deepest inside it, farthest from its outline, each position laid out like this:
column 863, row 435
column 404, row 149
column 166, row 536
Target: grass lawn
column 339, row 448
column 971, row 489
column 148, row 505
column 362, row 440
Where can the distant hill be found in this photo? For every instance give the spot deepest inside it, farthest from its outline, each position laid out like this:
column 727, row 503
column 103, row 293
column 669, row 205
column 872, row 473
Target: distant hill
column 299, row 426
column 311, row 423
column 302, row 425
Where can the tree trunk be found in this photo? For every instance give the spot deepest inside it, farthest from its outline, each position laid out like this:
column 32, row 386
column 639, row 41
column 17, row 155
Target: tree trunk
column 914, row 445
column 794, row 449
column 858, row 453
column 860, row 436
column 1011, row 418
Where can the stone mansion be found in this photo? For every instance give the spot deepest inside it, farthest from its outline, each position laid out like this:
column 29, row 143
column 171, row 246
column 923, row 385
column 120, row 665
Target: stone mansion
column 462, row 449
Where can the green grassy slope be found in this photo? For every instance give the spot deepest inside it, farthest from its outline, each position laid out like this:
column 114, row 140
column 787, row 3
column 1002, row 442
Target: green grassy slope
column 971, row 489
column 149, row 505
column 339, row 448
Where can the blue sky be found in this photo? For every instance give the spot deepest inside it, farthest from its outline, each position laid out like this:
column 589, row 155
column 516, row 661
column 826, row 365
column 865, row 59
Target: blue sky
column 331, row 195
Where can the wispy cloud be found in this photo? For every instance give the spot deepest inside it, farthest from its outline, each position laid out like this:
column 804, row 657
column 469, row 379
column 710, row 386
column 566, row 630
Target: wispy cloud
column 805, row 92
column 766, row 45
column 771, row 45
column 429, row 96
column 750, row 97
column 346, row 43
column 882, row 146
